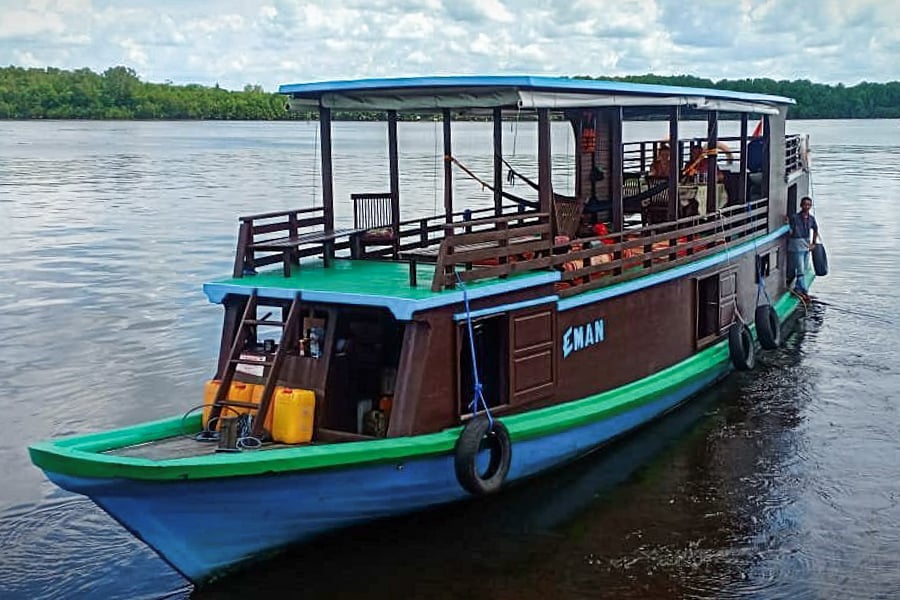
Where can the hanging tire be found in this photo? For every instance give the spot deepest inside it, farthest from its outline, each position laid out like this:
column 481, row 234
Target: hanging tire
column 740, row 347
column 820, row 260
column 477, row 436
column 768, row 328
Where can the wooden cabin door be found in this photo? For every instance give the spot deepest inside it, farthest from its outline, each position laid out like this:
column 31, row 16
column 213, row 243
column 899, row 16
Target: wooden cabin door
column 532, row 357
column 727, row 298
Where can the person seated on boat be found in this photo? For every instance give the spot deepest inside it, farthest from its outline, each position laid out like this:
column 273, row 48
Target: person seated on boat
column 802, row 224
column 696, row 170
column 660, row 165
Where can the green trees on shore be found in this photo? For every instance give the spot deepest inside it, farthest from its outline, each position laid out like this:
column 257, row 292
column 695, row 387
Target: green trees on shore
column 814, row 100
column 117, row 93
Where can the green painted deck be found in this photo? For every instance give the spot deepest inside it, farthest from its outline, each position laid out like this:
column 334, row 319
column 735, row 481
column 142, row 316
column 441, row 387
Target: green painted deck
column 369, row 283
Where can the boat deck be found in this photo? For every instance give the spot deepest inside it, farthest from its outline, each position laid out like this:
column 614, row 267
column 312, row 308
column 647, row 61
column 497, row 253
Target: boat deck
column 182, row 446
column 368, row 282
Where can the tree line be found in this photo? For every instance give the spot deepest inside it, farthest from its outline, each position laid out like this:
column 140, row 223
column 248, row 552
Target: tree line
column 118, row 93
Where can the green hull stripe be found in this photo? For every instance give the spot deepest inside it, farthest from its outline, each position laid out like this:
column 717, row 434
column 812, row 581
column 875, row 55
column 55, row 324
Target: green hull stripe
column 79, row 456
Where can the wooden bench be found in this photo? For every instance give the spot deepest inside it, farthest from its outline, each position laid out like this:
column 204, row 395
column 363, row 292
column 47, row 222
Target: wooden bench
column 284, row 234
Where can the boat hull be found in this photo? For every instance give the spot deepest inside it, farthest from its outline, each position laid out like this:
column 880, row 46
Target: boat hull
column 205, row 527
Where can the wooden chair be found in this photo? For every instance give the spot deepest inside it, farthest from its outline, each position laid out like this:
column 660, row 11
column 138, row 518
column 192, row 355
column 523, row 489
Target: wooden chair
column 373, row 214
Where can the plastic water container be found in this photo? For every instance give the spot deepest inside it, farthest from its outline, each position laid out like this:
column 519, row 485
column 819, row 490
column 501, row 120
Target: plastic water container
column 239, row 392
column 256, row 397
column 292, row 421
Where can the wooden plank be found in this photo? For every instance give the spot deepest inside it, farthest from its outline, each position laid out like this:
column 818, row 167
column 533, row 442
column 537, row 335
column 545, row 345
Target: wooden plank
column 495, row 235
column 461, row 256
column 283, row 213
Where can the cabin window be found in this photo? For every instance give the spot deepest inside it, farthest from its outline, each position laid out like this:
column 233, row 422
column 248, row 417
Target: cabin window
column 491, row 338
column 763, row 266
column 792, row 199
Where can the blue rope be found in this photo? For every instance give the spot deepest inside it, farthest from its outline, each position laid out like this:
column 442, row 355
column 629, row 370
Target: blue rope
column 760, row 282
column 477, row 391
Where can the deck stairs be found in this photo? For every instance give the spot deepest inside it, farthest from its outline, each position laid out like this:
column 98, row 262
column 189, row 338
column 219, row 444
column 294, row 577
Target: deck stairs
column 249, row 320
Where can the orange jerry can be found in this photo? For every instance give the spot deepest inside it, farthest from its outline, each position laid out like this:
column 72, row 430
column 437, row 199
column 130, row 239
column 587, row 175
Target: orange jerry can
column 292, row 421
column 239, row 392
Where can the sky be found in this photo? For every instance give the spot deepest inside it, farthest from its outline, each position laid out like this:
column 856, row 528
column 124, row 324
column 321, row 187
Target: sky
column 268, row 42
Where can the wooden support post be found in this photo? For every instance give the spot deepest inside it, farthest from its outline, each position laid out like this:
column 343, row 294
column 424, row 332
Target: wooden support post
column 448, row 169
column 498, row 163
column 395, row 179
column 327, row 178
column 545, row 189
column 767, row 159
column 712, row 138
column 742, row 191
column 675, row 149
column 617, row 168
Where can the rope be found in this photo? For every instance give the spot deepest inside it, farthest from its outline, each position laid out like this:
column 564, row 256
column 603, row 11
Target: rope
column 477, row 391
column 436, row 168
column 485, row 184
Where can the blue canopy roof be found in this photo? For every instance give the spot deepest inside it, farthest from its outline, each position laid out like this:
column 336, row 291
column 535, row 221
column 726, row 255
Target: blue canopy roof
column 502, row 90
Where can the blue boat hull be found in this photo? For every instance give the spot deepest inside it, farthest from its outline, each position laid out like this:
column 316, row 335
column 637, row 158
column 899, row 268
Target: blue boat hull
column 205, row 527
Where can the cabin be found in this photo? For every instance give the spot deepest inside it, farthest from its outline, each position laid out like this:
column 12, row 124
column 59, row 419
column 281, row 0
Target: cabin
column 392, row 321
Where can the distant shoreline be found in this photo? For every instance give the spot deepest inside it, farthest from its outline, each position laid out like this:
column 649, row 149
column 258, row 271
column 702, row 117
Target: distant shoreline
column 118, row 94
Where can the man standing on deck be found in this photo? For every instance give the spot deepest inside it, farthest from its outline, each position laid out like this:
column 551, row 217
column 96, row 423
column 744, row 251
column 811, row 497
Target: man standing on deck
column 799, row 245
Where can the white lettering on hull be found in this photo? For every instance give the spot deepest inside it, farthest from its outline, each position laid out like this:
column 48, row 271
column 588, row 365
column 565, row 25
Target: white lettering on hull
column 579, row 337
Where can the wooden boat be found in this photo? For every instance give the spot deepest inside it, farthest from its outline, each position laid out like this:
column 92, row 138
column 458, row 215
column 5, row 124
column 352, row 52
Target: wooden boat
column 443, row 357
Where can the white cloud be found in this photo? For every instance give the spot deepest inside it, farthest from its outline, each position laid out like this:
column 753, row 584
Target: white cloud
column 233, row 42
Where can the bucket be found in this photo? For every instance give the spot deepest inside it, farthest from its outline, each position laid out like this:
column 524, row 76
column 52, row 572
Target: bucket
column 292, row 421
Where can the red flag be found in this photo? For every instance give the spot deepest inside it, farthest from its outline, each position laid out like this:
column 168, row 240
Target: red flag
column 759, row 128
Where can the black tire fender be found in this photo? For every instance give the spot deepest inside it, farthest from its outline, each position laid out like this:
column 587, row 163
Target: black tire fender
column 740, row 347
column 768, row 328
column 479, row 435
column 820, row 260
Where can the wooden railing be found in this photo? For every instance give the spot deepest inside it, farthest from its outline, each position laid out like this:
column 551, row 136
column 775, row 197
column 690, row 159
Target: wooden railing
column 493, row 247
column 591, row 263
column 261, row 237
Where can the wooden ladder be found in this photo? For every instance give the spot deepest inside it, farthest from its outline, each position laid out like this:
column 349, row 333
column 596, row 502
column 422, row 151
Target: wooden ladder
column 249, row 320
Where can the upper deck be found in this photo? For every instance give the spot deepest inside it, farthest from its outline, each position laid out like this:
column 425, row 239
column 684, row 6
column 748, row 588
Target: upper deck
column 631, row 214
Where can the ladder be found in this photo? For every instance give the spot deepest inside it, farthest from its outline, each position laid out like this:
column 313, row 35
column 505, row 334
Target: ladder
column 249, row 320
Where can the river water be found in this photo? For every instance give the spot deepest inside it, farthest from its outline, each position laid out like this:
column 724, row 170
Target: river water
column 780, row 483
